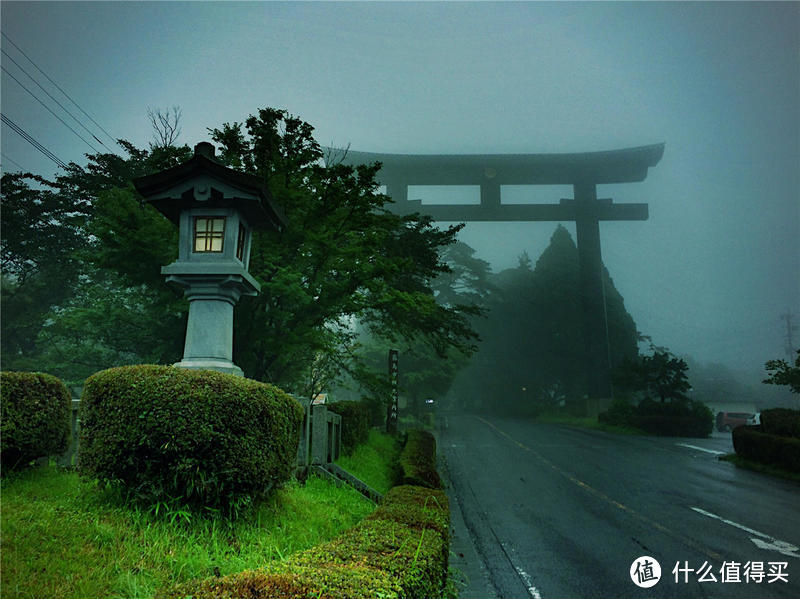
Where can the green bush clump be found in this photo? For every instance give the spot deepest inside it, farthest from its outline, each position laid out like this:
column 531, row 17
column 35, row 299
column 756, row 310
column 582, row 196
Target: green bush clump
column 620, row 413
column 678, row 418
column 418, row 460
column 35, row 411
column 356, row 418
column 201, row 438
column 752, row 443
column 418, row 507
column 781, row 421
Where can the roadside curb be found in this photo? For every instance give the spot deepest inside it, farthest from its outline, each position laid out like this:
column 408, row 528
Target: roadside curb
column 467, row 567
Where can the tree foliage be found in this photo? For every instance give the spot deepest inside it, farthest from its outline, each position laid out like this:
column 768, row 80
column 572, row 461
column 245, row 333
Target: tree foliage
column 782, row 373
column 343, row 258
column 424, row 371
column 41, row 231
column 660, row 376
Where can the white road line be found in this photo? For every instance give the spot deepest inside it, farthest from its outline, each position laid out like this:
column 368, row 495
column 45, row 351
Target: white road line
column 714, row 451
column 771, row 543
column 534, row 592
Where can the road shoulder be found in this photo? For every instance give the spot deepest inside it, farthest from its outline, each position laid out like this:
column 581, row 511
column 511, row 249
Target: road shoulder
column 471, row 577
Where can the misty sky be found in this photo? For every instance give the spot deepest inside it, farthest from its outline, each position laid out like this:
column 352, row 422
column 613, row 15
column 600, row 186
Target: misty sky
column 708, row 275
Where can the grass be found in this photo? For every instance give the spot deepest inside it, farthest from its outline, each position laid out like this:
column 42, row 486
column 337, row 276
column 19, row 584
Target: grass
column 374, row 462
column 66, row 537
column 759, row 467
column 587, row 422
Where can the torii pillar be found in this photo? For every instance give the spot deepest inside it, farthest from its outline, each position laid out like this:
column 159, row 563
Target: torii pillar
column 582, row 171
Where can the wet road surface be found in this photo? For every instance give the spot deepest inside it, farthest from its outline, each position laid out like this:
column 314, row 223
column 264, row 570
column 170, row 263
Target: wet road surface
column 555, row 512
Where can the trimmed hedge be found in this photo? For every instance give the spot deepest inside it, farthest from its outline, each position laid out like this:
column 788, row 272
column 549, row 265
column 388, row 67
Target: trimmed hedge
column 203, row 438
column 356, row 418
column 285, row 580
column 35, row 411
column 414, row 506
column 400, row 551
column 689, row 418
column 752, row 443
column 781, row 421
column 418, row 460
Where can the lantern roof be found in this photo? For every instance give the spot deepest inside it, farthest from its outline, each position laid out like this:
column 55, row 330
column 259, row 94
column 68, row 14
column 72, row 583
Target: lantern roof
column 204, row 182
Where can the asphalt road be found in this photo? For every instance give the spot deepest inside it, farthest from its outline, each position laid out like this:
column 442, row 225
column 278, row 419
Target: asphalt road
column 553, row 512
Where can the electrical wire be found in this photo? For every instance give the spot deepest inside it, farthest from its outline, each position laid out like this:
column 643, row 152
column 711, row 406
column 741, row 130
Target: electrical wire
column 19, row 66
column 5, row 35
column 17, row 164
column 22, row 85
column 21, row 132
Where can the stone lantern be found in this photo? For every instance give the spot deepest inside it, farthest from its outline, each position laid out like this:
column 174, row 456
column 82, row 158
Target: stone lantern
column 216, row 210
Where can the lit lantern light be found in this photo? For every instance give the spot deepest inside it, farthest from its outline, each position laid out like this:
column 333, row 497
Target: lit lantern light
column 216, row 210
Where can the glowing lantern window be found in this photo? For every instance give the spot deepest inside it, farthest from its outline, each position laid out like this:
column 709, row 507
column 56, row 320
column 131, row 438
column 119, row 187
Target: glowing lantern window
column 209, row 234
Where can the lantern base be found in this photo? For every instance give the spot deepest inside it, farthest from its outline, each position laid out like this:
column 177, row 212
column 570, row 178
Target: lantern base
column 225, row 366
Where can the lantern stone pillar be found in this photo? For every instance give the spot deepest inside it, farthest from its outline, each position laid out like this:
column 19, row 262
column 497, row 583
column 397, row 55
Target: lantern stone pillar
column 216, row 210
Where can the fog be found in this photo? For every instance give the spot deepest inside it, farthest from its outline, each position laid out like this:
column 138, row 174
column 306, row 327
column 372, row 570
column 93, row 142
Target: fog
column 708, row 275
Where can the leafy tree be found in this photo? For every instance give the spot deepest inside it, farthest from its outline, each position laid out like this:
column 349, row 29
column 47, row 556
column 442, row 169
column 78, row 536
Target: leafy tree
column 66, row 301
column 343, row 258
column 41, row 231
column 659, row 376
column 658, row 382
column 424, row 372
column 781, row 373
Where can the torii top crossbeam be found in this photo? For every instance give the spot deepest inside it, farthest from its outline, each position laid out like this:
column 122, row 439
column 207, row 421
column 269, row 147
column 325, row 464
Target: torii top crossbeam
column 490, row 171
column 615, row 166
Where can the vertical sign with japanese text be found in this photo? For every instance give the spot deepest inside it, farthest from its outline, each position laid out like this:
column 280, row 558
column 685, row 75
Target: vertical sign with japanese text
column 391, row 416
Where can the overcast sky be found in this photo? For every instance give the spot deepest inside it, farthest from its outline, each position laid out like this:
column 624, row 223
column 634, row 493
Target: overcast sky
column 708, row 275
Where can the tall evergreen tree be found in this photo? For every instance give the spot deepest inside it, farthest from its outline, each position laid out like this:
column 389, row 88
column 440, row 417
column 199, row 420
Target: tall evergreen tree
column 532, row 354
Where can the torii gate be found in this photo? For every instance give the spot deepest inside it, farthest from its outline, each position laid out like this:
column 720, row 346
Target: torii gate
column 489, row 171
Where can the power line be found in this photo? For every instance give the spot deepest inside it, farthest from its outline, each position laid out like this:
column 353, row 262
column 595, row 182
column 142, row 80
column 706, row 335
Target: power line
column 51, row 97
column 48, row 109
column 5, row 35
column 17, row 164
column 21, row 132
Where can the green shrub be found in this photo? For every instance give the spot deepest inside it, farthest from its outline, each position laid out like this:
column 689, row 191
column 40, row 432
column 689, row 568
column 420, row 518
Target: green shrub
column 781, row 421
column 620, row 413
column 35, row 412
column 752, row 443
column 418, row 460
column 202, row 438
column 356, row 417
column 680, row 418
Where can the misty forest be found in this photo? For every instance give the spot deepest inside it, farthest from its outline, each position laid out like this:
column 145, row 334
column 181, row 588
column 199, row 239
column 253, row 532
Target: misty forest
column 345, row 281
